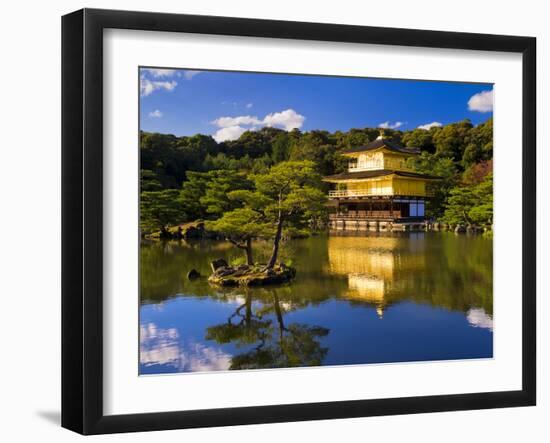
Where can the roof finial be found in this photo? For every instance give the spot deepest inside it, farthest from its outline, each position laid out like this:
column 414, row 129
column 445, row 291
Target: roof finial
column 382, row 134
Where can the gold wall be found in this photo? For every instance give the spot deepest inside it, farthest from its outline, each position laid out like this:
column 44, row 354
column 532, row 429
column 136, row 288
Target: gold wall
column 379, row 160
column 375, row 187
column 406, row 186
column 390, row 186
column 393, row 161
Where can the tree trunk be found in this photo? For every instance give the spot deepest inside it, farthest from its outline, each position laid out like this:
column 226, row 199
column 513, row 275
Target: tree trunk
column 164, row 232
column 249, row 258
column 280, row 320
column 248, row 315
column 466, row 218
column 247, row 246
column 276, row 242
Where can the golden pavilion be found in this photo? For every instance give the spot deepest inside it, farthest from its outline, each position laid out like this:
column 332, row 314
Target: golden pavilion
column 379, row 190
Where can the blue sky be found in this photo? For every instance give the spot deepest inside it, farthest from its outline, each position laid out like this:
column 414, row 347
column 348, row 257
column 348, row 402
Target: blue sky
column 225, row 104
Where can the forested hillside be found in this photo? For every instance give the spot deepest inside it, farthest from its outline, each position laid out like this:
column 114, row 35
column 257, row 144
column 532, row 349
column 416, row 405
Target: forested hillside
column 186, row 178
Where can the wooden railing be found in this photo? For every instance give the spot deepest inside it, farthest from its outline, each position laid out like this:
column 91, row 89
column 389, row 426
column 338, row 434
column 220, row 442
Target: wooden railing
column 369, row 192
column 355, row 167
column 355, row 215
column 374, row 165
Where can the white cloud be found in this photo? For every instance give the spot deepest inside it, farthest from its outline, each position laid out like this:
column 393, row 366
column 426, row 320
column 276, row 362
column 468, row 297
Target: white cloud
column 478, row 318
column 233, row 127
column 249, row 105
column 288, row 119
column 147, row 87
column 162, row 73
column 190, row 74
column 431, row 125
column 389, row 125
column 481, row 102
column 229, row 133
column 156, row 114
column 159, row 73
column 225, row 122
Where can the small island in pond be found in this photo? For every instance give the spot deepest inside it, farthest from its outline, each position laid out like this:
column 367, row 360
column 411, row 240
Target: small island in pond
column 251, row 275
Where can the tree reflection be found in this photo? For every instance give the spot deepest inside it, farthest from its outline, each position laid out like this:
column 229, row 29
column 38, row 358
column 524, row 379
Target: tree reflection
column 270, row 341
column 243, row 327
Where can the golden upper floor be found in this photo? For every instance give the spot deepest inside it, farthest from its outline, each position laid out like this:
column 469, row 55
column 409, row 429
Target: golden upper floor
column 382, row 159
column 378, row 155
column 380, row 169
column 380, row 183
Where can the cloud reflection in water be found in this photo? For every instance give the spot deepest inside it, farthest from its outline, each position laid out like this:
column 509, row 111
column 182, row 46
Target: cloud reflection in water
column 160, row 346
column 478, row 318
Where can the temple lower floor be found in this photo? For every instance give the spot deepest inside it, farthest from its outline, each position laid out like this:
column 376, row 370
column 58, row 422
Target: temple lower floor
column 394, row 209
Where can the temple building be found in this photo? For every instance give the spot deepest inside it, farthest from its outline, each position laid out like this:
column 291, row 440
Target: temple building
column 379, row 190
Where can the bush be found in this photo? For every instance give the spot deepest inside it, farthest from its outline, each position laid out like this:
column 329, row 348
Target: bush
column 236, row 261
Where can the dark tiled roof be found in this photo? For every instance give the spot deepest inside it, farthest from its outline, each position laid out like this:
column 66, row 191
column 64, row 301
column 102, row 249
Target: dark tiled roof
column 417, row 175
column 377, row 173
column 380, row 142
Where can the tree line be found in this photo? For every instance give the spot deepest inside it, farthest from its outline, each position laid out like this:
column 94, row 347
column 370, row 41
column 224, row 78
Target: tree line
column 194, row 177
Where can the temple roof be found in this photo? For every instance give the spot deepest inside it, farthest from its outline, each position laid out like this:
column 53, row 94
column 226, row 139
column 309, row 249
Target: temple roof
column 379, row 143
column 377, row 173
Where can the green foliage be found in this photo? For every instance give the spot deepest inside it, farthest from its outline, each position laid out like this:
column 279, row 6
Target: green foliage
column 206, row 172
column 482, row 136
column 420, row 138
column 442, row 167
column 168, row 157
column 479, row 144
column 482, row 210
column 471, row 204
column 149, row 181
column 459, row 203
column 280, row 150
column 463, row 159
column 472, row 154
column 451, row 140
column 287, row 199
column 236, row 261
column 253, row 143
column 240, row 225
column 218, row 185
column 291, row 191
column 160, row 209
column 193, row 189
column 317, row 147
column 358, row 137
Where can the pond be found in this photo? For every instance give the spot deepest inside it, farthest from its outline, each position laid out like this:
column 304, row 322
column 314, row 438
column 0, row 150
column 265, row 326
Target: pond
column 356, row 299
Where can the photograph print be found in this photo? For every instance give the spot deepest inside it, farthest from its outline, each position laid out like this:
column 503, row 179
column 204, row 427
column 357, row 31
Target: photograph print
column 294, row 220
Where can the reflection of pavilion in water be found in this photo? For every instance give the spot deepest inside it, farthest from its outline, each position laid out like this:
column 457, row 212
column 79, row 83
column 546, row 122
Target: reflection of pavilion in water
column 373, row 265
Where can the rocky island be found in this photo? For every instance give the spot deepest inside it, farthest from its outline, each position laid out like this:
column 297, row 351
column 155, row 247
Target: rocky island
column 249, row 275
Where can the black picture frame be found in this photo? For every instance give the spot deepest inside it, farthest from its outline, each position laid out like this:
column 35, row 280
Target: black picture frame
column 82, row 218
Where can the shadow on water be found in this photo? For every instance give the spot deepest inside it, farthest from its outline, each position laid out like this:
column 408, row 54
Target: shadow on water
column 356, row 299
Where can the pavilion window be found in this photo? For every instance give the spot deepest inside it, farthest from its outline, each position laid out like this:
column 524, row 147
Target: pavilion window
column 413, row 210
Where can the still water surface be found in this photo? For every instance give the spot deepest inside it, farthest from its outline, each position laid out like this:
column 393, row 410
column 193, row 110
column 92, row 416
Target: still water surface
column 370, row 298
